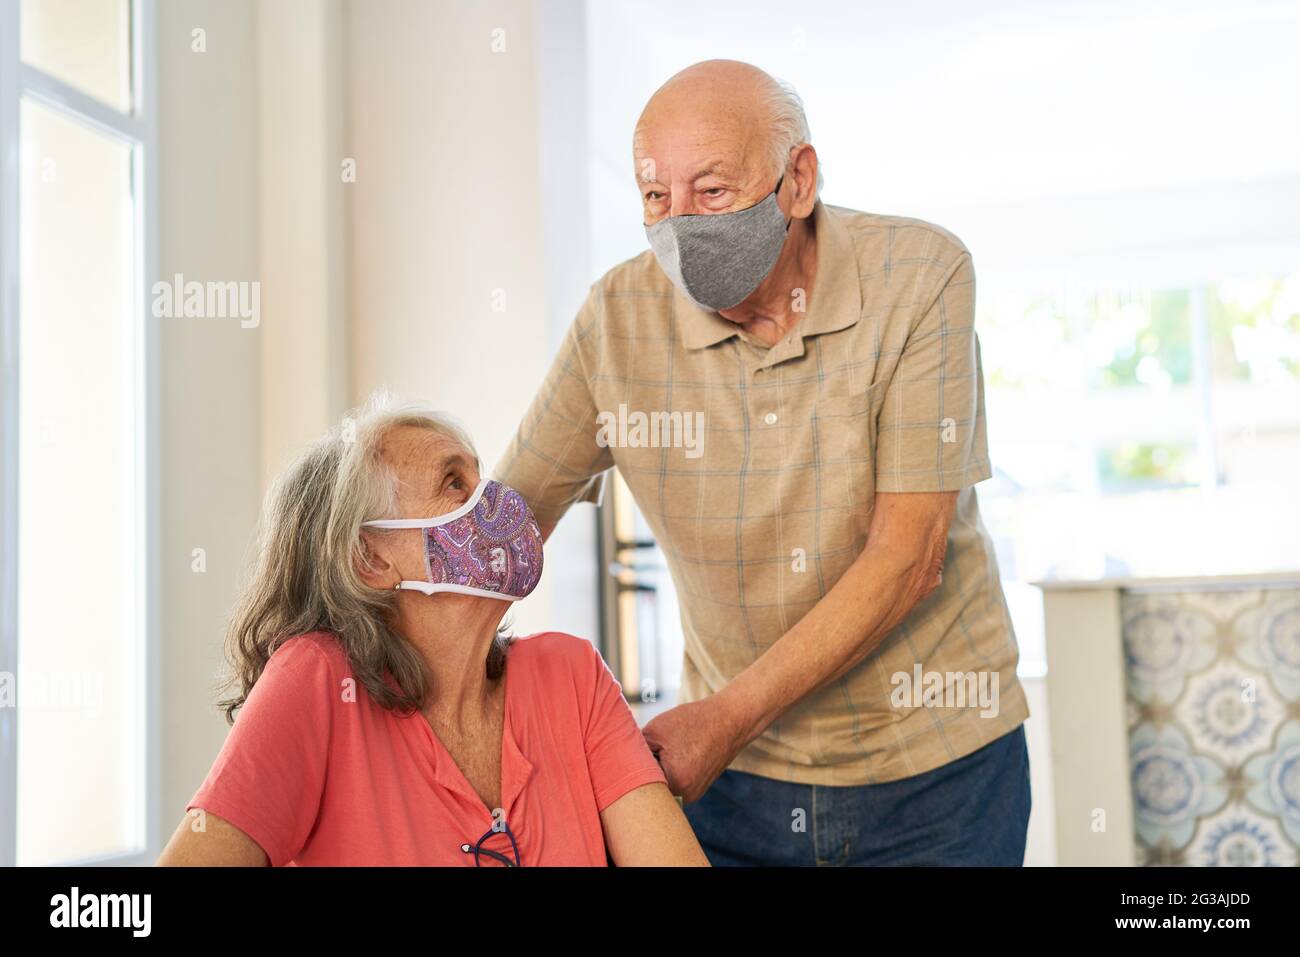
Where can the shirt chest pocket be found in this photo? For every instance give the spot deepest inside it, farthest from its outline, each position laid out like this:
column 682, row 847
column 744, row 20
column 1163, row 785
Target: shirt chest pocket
column 844, row 447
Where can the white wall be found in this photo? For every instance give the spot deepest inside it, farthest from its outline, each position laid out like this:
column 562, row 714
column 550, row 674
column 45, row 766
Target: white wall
column 387, row 281
column 301, row 229
column 251, row 144
column 210, row 392
column 445, row 215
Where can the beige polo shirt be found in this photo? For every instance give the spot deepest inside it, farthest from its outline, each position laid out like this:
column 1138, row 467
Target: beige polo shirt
column 877, row 388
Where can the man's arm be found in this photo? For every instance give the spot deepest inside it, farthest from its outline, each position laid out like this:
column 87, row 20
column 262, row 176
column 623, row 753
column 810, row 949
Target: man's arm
column 554, row 459
column 901, row 564
column 932, row 412
column 899, row 567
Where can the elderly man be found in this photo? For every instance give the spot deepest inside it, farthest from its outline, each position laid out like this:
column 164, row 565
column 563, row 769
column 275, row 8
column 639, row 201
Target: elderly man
column 849, row 690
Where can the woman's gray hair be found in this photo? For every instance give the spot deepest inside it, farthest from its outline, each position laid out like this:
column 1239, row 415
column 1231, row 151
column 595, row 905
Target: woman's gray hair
column 788, row 123
column 305, row 573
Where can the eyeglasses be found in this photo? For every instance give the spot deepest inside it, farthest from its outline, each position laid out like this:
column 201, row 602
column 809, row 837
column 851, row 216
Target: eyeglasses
column 478, row 849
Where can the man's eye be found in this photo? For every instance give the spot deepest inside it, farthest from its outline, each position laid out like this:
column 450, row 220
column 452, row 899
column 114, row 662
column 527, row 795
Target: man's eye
column 715, row 191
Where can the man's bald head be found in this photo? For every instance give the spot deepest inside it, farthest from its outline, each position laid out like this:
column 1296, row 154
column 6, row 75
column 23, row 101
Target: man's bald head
column 723, row 116
column 730, row 94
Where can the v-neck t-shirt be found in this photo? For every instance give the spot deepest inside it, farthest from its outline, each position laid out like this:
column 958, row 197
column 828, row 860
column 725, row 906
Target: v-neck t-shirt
column 317, row 773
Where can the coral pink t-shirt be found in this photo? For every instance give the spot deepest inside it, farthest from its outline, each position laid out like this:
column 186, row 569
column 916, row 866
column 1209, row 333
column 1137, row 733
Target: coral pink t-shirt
column 318, row 774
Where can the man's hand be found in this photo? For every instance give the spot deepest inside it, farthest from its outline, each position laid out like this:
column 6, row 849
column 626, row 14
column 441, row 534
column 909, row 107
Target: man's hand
column 694, row 743
column 901, row 565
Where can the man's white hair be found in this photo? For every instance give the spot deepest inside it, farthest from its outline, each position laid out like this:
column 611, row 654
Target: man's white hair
column 789, row 125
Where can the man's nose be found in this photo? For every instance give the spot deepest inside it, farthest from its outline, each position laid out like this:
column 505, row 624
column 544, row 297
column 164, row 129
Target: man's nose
column 683, row 201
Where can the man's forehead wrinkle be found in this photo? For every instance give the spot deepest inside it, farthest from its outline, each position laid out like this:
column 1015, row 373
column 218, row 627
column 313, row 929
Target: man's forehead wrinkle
column 711, row 109
column 715, row 168
column 717, row 154
column 736, row 149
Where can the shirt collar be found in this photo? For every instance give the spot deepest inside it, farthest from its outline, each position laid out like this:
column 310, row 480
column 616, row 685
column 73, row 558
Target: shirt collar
column 835, row 302
column 516, row 769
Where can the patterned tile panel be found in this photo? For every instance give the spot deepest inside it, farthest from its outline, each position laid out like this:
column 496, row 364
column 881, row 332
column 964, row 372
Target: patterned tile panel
column 1213, row 694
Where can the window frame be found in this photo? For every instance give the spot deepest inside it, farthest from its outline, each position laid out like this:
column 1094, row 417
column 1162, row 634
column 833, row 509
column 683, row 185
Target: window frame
column 139, row 130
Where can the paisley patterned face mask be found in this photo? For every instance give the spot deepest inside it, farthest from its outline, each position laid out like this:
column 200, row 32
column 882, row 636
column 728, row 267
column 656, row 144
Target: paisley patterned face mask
column 490, row 546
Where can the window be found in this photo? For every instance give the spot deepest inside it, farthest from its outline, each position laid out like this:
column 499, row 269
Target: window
column 1142, row 431
column 77, row 628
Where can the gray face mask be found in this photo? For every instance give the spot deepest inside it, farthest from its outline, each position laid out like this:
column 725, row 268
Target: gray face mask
column 718, row 259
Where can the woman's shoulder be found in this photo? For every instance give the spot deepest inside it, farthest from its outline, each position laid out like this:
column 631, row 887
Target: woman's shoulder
column 298, row 681
column 553, row 643
column 553, row 654
column 311, row 650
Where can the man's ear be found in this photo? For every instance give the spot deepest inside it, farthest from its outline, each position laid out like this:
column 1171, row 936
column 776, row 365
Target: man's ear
column 372, row 563
column 804, row 172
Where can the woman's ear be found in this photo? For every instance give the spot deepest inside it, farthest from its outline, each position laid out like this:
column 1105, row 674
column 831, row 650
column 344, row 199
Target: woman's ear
column 372, row 562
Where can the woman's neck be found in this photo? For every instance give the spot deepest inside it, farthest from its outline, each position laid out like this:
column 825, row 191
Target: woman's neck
column 454, row 634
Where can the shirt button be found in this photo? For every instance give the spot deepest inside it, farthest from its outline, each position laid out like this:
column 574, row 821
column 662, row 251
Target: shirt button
column 770, row 418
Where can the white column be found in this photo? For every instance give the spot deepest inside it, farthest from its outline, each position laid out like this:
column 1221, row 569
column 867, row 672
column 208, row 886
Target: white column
column 301, row 225
column 1087, row 717
column 448, row 282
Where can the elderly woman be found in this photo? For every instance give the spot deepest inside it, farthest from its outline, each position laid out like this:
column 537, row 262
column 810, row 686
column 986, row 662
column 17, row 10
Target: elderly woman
column 384, row 718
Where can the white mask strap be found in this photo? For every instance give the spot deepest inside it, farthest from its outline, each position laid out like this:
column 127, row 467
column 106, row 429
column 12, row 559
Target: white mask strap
column 432, row 522
column 432, row 589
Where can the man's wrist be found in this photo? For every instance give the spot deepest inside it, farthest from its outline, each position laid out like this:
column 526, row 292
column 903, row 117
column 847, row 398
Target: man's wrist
column 742, row 710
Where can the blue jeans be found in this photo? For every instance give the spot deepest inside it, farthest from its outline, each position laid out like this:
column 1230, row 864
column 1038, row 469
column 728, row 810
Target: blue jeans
column 972, row 811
